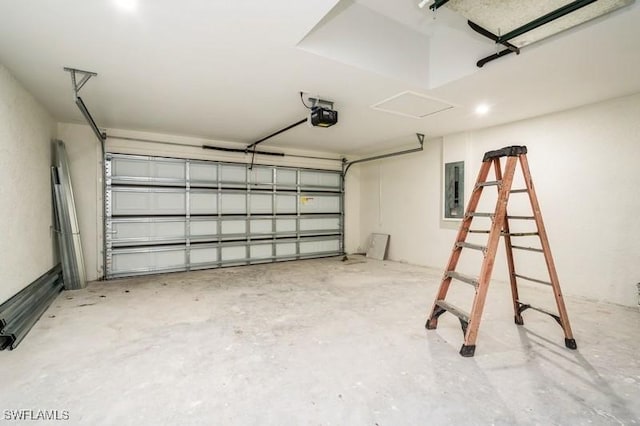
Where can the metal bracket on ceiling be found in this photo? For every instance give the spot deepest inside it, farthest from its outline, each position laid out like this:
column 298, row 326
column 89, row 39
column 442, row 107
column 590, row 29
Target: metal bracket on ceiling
column 437, row 4
column 545, row 19
column 321, row 103
column 510, row 48
column 86, row 75
column 529, row 26
column 77, row 86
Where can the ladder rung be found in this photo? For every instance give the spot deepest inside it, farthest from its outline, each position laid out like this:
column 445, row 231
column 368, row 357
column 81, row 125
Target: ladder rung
column 544, row 311
column 521, row 217
column 489, row 183
column 471, row 246
column 516, row 191
column 453, row 309
column 476, row 214
column 527, row 248
column 532, row 279
column 478, row 231
column 519, row 234
column 462, row 277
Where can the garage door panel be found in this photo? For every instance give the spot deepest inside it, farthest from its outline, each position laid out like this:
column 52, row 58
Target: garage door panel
column 203, row 228
column 142, row 231
column 320, row 224
column 319, row 246
column 233, row 253
column 319, row 180
column 203, row 202
column 147, row 201
column 260, row 251
column 203, row 174
column 285, row 225
column 319, row 203
column 261, row 176
column 145, row 170
column 148, row 260
column 172, row 215
column 203, row 255
column 261, row 203
column 286, row 178
column 233, row 203
column 233, row 174
column 286, row 203
column 228, row 227
column 286, row 249
column 261, row 226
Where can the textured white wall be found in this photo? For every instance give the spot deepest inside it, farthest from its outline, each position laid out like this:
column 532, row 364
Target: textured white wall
column 584, row 164
column 85, row 159
column 26, row 132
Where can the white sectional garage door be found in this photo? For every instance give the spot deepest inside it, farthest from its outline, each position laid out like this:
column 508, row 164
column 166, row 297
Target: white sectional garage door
column 165, row 214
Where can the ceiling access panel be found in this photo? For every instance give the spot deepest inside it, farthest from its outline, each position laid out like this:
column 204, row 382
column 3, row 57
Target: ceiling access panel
column 168, row 214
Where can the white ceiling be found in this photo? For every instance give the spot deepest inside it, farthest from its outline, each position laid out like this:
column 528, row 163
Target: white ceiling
column 232, row 70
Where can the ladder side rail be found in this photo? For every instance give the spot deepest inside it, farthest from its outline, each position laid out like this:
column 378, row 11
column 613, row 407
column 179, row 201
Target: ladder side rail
column 487, row 265
column 463, row 231
column 509, row 253
column 557, row 292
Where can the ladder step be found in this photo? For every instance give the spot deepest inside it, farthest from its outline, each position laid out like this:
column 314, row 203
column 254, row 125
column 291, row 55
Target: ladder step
column 525, row 306
column 453, row 310
column 516, row 191
column 476, row 214
column 462, row 277
column 489, row 183
column 512, row 234
column 533, row 279
column 527, row 248
column 471, row 246
column 521, row 217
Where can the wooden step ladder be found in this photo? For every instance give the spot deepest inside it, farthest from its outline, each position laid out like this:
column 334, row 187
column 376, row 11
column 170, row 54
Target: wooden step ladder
column 499, row 227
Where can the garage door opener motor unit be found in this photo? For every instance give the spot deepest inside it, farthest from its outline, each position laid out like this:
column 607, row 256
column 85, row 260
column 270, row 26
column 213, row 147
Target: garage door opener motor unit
column 322, row 113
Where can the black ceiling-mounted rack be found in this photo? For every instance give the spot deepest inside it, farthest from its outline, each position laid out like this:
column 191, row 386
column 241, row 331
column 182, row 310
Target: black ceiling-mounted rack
column 504, row 39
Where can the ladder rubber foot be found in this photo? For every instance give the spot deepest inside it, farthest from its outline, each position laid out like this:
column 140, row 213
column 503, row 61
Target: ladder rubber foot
column 570, row 343
column 468, row 350
column 431, row 324
column 518, row 320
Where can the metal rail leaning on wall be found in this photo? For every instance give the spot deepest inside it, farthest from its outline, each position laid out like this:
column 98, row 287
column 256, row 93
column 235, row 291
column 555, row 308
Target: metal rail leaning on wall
column 73, row 268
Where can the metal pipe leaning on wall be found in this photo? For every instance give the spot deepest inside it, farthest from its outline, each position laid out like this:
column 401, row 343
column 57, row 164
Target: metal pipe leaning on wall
column 20, row 313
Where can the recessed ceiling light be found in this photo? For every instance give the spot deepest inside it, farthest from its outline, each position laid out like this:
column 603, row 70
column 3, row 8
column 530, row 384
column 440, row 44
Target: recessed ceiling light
column 126, row 5
column 482, row 109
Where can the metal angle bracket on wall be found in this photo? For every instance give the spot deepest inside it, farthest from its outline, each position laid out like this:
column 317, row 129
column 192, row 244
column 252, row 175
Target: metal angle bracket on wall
column 77, row 86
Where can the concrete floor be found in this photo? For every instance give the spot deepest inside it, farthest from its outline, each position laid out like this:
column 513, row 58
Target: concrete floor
column 317, row 342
